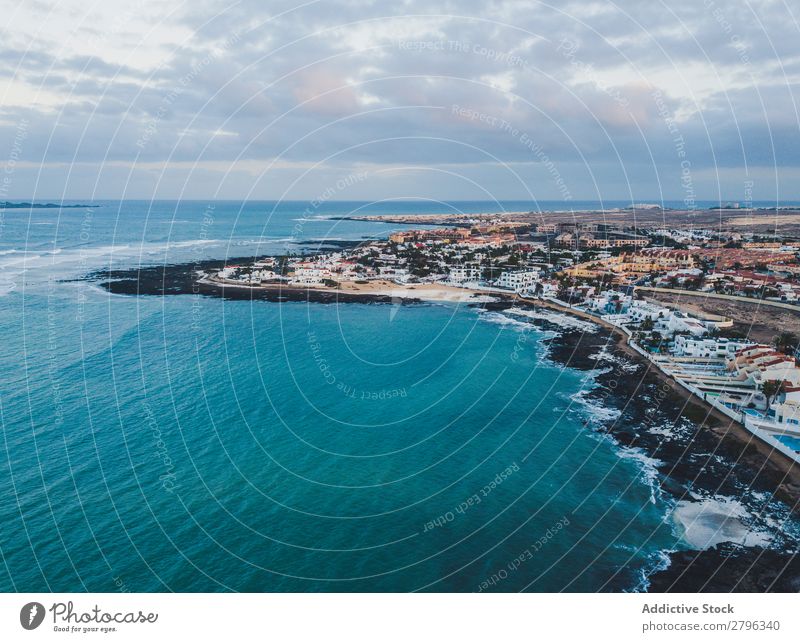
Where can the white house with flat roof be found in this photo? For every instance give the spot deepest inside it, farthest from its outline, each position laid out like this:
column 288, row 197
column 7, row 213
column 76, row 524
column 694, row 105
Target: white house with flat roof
column 721, row 348
column 518, row 280
column 464, row 273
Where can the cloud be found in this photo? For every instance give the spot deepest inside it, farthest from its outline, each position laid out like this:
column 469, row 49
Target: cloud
column 603, row 90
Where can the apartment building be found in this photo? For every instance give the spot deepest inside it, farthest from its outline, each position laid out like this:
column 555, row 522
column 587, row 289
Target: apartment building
column 517, row 280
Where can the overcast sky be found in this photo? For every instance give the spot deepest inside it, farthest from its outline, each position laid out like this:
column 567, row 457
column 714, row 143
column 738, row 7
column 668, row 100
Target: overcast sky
column 689, row 99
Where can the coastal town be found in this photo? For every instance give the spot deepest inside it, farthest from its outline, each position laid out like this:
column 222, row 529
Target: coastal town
column 611, row 273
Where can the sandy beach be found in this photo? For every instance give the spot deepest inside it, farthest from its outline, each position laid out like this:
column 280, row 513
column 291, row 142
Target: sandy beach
column 380, row 288
column 183, row 279
column 420, row 291
column 715, row 456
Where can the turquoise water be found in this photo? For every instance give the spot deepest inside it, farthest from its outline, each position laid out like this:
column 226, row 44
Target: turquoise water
column 194, row 444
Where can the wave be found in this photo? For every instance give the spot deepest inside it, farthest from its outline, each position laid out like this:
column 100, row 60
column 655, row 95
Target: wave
column 597, row 415
column 44, row 264
column 556, row 318
column 593, row 411
column 648, row 467
column 656, row 562
column 622, row 364
column 501, row 319
column 680, row 429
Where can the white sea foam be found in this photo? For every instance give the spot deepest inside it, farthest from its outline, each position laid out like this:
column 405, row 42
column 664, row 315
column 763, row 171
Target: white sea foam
column 314, row 219
column 502, row 319
column 657, row 562
column 263, row 240
column 39, row 265
column 648, row 466
column 710, row 521
column 620, row 363
column 681, row 428
column 556, row 318
column 775, row 516
column 592, row 410
column 664, row 430
column 596, row 414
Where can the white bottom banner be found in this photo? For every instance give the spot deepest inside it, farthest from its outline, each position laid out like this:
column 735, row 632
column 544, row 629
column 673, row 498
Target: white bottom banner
column 372, row 617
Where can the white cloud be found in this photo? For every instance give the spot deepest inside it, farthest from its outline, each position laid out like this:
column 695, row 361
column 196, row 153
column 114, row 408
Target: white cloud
column 158, row 86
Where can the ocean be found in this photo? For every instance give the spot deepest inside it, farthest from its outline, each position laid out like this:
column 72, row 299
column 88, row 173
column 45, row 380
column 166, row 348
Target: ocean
column 189, row 443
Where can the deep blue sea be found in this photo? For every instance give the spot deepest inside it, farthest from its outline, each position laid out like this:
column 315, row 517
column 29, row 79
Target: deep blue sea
column 195, row 444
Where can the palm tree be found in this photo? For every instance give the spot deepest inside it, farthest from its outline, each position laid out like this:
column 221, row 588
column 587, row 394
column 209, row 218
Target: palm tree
column 656, row 340
column 771, row 390
column 786, row 342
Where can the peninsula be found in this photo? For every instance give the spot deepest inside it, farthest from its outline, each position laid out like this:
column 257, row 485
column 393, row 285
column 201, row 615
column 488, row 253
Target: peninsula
column 610, row 274
column 599, row 286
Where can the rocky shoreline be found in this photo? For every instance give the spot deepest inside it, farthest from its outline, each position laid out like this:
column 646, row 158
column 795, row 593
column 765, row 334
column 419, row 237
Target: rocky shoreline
column 182, row 278
column 695, row 461
column 729, row 568
column 696, row 454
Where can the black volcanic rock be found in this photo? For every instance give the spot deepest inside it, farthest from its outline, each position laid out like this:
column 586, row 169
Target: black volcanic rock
column 729, row 568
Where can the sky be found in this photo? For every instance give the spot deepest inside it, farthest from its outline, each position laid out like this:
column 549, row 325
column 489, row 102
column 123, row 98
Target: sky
column 354, row 100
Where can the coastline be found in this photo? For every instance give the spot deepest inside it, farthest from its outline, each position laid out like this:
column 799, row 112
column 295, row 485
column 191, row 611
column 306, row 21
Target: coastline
column 693, row 458
column 375, row 290
column 713, row 457
column 183, row 279
column 720, row 424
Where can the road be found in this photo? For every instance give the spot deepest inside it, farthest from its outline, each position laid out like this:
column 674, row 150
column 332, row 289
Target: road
column 726, row 297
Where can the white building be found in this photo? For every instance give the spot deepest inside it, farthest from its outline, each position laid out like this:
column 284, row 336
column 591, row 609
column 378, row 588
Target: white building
column 759, row 363
column 610, row 302
column 228, row 272
column 548, row 289
column 677, row 322
column 464, row 273
column 721, row 348
column 667, row 321
column 642, row 310
column 783, row 415
column 310, row 275
column 518, row 280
